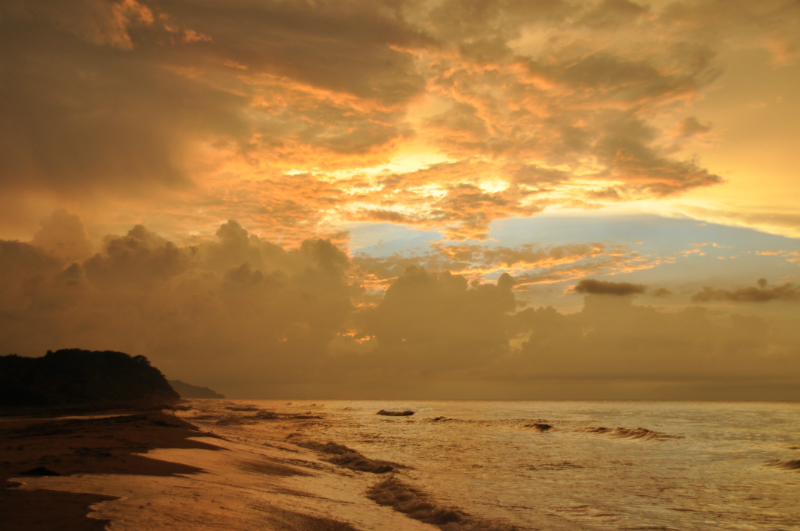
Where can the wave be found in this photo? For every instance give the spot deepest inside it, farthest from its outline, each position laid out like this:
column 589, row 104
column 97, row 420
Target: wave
column 793, row 464
column 264, row 414
column 540, row 426
column 419, row 506
column 346, row 457
column 233, row 420
column 563, row 465
column 443, row 419
column 474, row 422
column 634, row 433
column 258, row 415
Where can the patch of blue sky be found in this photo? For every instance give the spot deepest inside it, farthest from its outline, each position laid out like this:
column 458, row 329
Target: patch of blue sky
column 688, row 250
column 686, row 247
column 385, row 239
column 662, row 233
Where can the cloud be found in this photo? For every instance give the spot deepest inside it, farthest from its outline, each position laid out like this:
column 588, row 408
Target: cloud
column 662, row 292
column 787, row 293
column 103, row 23
column 782, row 222
column 236, row 309
column 766, row 25
column 296, row 118
column 601, row 287
column 612, row 338
column 141, row 257
column 425, row 312
column 530, row 264
column 62, row 234
column 691, row 127
column 252, row 318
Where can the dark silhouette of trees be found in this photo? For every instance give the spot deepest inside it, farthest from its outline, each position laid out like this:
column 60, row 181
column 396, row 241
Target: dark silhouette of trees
column 75, row 376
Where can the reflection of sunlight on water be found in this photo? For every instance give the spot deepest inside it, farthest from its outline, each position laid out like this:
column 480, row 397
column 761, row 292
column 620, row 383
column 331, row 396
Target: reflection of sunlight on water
column 487, row 458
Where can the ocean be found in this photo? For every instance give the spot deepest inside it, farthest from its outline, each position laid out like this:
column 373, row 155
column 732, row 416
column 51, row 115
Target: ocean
column 498, row 464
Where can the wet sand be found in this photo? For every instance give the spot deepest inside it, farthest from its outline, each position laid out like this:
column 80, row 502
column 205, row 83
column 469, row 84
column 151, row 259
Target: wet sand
column 47, row 447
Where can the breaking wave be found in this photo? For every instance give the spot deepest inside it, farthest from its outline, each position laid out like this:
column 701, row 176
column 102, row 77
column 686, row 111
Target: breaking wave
column 418, row 505
column 346, row 457
column 539, row 426
column 258, row 415
column 786, row 465
column 634, row 433
column 443, row 419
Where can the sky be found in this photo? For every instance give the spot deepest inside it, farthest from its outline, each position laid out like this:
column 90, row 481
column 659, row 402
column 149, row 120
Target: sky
column 490, row 199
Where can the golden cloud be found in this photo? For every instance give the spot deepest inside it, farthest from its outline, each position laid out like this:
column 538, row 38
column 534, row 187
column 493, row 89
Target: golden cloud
column 299, row 118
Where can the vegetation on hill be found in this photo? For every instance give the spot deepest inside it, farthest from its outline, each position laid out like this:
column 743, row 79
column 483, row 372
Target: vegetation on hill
column 75, row 376
column 193, row 391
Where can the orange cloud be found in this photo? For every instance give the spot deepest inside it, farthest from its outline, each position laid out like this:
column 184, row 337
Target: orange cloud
column 268, row 93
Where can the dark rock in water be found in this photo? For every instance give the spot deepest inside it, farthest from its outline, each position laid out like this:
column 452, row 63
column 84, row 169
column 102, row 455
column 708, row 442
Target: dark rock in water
column 74, row 376
column 406, row 413
column 193, row 391
column 40, row 471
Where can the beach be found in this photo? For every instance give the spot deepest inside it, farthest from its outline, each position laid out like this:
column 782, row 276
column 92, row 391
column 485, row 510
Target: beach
column 152, row 470
column 454, row 465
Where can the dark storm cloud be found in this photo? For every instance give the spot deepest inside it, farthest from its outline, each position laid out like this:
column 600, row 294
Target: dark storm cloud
column 601, row 287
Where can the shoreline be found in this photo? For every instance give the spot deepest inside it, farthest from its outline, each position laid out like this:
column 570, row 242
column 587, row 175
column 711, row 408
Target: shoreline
column 133, row 470
column 242, row 465
column 47, row 446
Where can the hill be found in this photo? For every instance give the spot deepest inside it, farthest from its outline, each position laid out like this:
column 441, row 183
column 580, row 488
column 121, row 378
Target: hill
column 74, row 376
column 193, row 391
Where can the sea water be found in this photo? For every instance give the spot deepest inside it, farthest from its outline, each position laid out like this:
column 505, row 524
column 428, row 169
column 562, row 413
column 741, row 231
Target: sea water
column 568, row 465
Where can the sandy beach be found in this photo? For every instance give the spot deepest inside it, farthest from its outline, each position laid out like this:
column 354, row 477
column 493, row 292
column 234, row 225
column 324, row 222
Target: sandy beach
column 153, row 470
column 37, row 449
